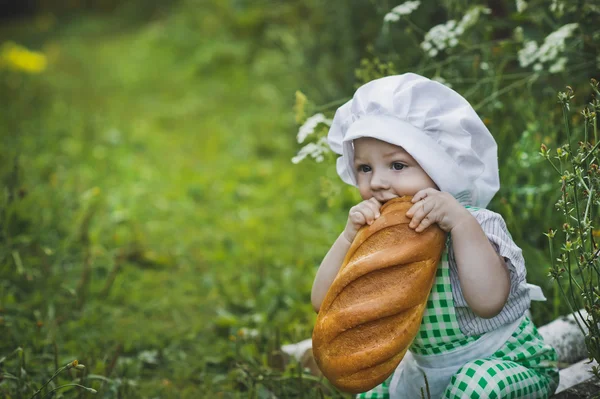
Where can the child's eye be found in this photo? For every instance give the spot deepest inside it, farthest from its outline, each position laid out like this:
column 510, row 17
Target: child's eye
column 364, row 168
column 397, row 166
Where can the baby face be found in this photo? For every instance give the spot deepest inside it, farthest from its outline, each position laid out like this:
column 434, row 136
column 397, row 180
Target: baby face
column 386, row 171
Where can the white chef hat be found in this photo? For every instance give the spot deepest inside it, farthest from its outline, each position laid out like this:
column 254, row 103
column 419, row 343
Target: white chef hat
column 432, row 122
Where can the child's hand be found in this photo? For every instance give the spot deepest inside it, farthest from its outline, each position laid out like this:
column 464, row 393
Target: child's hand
column 433, row 206
column 364, row 213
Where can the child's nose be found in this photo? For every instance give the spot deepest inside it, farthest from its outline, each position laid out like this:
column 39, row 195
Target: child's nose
column 379, row 182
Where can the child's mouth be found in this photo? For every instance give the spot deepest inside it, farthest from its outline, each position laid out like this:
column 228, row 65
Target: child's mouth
column 384, row 200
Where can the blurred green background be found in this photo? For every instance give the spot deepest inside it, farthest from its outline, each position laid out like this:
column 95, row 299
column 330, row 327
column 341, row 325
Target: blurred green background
column 152, row 224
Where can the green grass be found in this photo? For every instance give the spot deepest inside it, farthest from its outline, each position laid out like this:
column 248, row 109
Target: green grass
column 160, row 156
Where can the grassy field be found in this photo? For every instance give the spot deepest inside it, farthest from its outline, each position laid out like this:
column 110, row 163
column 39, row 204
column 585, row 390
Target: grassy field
column 162, row 236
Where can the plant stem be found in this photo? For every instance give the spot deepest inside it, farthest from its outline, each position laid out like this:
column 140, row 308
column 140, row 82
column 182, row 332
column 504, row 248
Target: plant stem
column 564, row 294
column 596, row 131
column 593, row 148
column 415, row 26
column 49, row 395
column 576, row 198
column 554, row 166
column 587, row 207
column 556, row 284
column 47, row 382
column 330, row 104
column 556, row 301
column 583, row 182
column 502, row 91
column 19, row 349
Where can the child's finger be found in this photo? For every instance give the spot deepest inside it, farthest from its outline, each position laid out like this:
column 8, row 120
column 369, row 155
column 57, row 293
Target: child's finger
column 368, row 213
column 419, row 214
column 413, row 209
column 423, row 194
column 374, row 201
column 425, row 223
column 357, row 218
column 374, row 206
column 418, row 196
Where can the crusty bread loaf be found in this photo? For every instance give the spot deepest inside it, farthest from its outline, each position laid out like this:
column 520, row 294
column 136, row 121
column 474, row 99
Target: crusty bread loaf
column 373, row 309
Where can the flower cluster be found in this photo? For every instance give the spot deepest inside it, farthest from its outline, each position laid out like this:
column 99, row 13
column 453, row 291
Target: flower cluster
column 310, row 125
column 557, row 8
column 554, row 44
column 521, row 5
column 446, row 35
column 16, row 57
column 315, row 150
column 403, row 9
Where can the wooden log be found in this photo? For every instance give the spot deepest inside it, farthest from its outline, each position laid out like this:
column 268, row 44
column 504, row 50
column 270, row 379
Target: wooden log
column 584, row 390
column 566, row 337
column 575, row 374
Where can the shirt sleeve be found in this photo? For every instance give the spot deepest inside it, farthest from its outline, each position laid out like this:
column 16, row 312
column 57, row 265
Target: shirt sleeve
column 495, row 229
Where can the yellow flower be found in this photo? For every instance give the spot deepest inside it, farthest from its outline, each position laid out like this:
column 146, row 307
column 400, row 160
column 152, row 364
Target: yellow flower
column 74, row 363
column 299, row 106
column 16, row 57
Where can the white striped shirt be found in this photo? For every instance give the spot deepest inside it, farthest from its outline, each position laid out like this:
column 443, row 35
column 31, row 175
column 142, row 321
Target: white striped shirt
column 518, row 300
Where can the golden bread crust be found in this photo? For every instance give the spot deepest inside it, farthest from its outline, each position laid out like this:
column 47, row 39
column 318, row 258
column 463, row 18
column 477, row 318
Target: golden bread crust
column 373, row 309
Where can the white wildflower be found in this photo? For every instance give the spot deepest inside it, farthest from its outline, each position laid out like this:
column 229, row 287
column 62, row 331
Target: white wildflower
column 406, row 8
column 439, row 38
column 557, row 7
column 559, row 65
column 248, row 332
column 472, row 16
column 315, row 150
column 484, row 66
column 403, row 9
column 310, row 125
column 446, row 35
column 528, row 53
column 391, row 17
column 521, row 5
column 554, row 44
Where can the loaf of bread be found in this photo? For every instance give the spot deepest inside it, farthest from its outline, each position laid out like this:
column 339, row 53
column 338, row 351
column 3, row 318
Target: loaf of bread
column 373, row 309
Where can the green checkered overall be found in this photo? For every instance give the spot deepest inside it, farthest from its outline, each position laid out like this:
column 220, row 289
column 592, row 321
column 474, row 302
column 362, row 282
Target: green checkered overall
column 523, row 368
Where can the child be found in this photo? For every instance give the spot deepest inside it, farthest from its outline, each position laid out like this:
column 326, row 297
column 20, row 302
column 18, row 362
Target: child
column 408, row 135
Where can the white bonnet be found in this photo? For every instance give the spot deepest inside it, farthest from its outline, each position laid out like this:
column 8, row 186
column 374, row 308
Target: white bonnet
column 432, row 122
